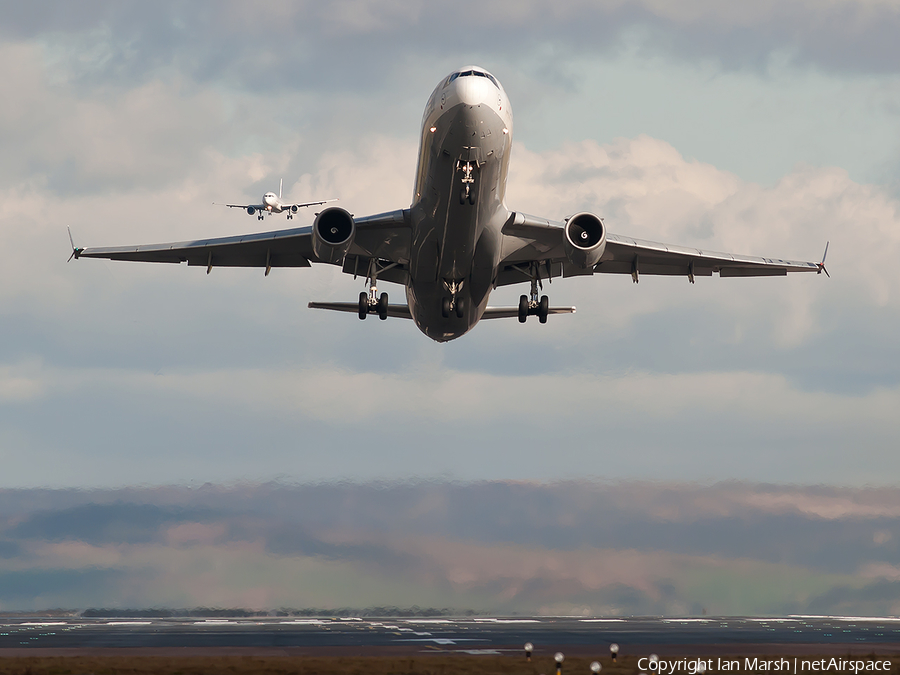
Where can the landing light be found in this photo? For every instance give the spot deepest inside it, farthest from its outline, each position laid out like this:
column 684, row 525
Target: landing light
column 433, row 129
column 505, row 130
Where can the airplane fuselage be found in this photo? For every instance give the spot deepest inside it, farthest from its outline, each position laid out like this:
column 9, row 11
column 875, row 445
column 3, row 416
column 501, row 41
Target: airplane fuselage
column 458, row 206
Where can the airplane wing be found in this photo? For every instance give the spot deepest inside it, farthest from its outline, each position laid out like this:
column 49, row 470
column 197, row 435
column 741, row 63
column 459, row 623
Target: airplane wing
column 383, row 237
column 529, row 240
column 258, row 207
column 300, row 206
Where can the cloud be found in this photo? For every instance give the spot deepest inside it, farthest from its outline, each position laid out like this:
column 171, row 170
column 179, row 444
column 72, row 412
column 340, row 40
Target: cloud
column 226, row 41
column 666, row 548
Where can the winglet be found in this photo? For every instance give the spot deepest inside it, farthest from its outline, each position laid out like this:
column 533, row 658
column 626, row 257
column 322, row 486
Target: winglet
column 280, row 186
column 76, row 252
column 821, row 265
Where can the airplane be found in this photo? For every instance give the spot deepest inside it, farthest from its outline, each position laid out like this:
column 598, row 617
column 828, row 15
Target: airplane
column 457, row 241
column 273, row 204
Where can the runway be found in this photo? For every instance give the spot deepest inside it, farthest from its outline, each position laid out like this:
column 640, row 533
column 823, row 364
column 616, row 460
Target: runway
column 636, row 636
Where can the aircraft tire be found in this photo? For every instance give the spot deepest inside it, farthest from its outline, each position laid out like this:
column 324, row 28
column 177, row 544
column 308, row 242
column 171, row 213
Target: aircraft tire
column 383, row 306
column 462, row 196
column 363, row 305
column 523, row 308
column 544, row 309
column 460, row 308
column 445, row 307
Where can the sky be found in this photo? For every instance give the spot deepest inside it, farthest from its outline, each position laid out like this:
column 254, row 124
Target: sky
column 568, row 548
column 766, row 128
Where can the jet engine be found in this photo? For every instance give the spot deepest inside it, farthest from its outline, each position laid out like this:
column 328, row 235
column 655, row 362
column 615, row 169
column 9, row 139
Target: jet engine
column 250, row 210
column 333, row 232
column 585, row 239
column 294, row 208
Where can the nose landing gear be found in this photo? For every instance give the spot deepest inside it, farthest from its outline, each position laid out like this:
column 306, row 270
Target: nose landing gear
column 454, row 304
column 467, row 192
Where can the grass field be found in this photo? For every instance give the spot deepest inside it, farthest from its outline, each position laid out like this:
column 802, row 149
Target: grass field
column 438, row 664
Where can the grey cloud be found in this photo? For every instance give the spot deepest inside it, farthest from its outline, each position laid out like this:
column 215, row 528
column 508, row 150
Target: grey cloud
column 341, row 46
column 64, row 587
column 496, row 535
column 120, row 522
column 877, row 599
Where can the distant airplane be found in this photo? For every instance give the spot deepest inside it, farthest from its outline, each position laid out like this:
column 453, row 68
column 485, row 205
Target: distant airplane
column 457, row 241
column 273, row 204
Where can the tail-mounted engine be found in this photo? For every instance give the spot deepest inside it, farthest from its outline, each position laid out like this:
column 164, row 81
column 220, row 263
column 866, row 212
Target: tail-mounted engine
column 333, row 232
column 585, row 239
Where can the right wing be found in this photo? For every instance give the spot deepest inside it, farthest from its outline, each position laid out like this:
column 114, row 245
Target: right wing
column 383, row 237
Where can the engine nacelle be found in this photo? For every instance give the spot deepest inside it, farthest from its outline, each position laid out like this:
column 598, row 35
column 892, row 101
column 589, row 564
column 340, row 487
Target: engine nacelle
column 250, row 210
column 333, row 232
column 585, row 239
column 294, row 208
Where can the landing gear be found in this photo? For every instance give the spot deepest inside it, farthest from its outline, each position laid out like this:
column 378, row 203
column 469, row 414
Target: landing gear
column 453, row 304
column 371, row 303
column 543, row 309
column 379, row 307
column 467, row 191
column 363, row 305
column 532, row 306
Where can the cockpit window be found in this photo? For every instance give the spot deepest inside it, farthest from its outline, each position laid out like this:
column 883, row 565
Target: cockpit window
column 476, row 73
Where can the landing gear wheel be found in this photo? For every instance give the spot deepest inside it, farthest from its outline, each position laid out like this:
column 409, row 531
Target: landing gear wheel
column 462, row 196
column 460, row 308
column 363, row 305
column 544, row 309
column 523, row 308
column 445, row 308
column 382, row 306
column 472, row 197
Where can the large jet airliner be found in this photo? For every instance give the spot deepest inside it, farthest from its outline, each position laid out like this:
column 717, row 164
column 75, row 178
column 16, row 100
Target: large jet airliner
column 271, row 203
column 457, row 241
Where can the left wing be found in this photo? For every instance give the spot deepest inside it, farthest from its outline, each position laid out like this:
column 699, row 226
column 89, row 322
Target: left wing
column 258, row 207
column 383, row 237
column 300, row 206
column 528, row 240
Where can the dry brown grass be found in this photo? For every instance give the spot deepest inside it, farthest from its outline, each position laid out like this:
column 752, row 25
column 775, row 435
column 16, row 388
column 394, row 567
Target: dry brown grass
column 437, row 664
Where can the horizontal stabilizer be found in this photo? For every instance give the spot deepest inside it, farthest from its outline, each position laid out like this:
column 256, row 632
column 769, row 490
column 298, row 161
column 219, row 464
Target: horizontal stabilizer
column 396, row 311
column 513, row 312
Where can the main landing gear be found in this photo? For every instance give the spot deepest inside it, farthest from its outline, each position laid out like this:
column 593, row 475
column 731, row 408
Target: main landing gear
column 532, row 306
column 454, row 304
column 371, row 302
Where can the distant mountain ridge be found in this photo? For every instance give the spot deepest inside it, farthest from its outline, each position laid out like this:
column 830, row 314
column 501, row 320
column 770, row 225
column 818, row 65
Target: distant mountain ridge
column 501, row 547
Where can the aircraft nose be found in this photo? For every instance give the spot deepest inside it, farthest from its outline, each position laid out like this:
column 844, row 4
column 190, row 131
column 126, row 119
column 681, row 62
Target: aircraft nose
column 472, row 90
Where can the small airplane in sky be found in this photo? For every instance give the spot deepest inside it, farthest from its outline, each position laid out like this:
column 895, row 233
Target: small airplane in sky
column 457, row 241
column 273, row 204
